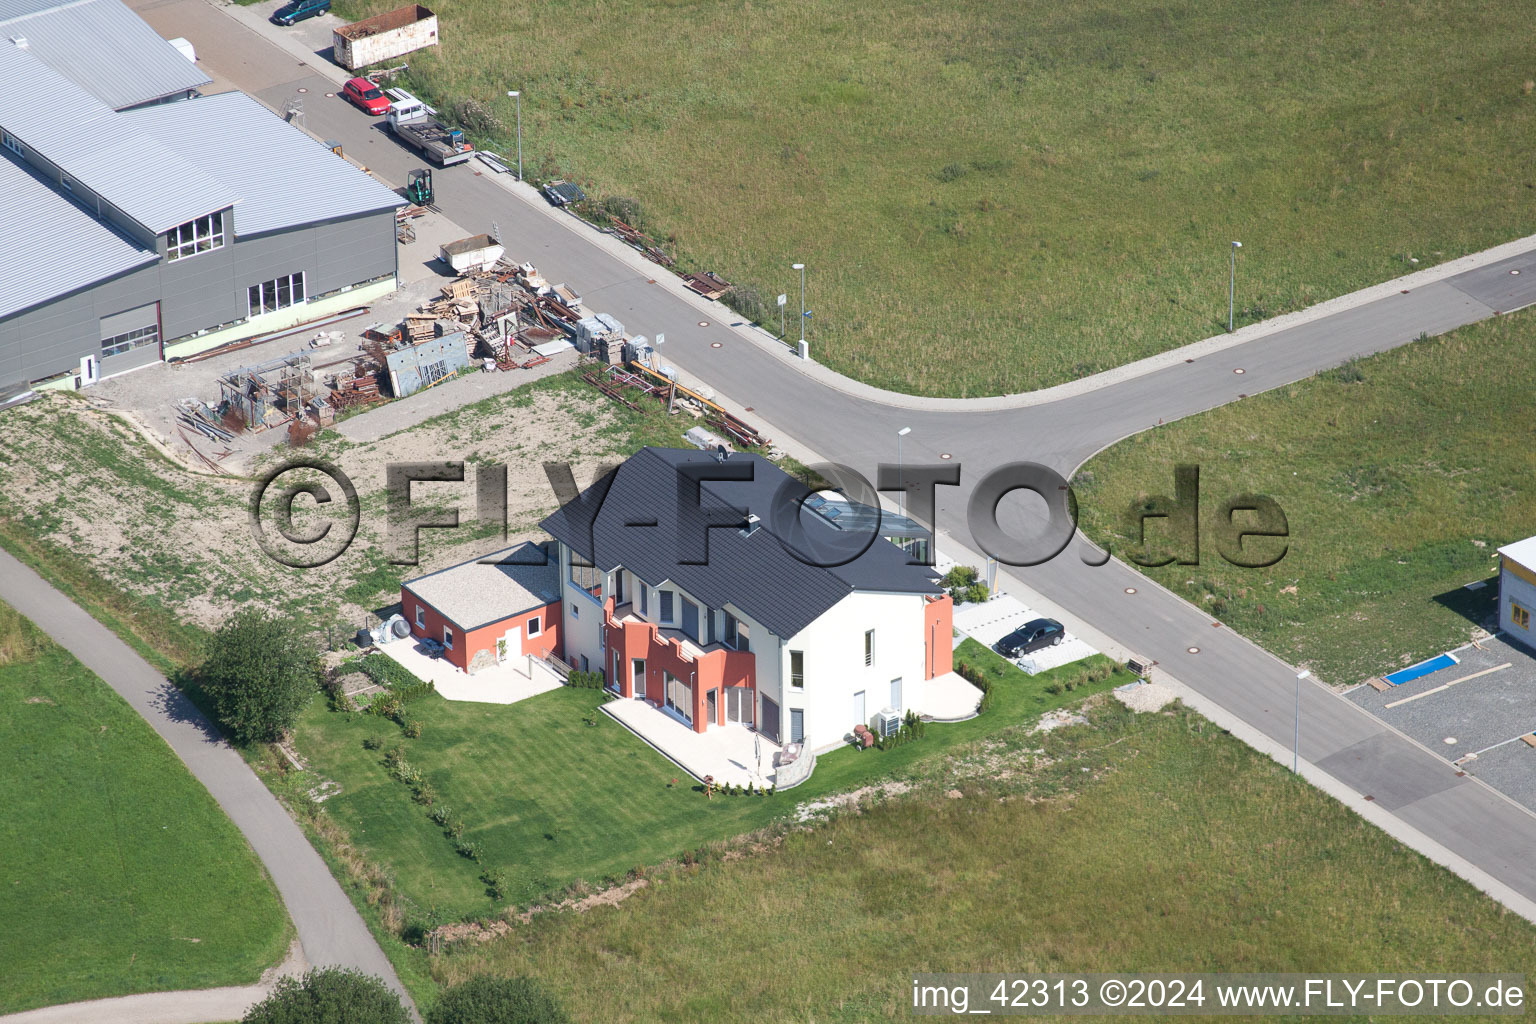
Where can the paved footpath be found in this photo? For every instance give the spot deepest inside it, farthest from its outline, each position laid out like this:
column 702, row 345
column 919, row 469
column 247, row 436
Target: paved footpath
column 330, row 929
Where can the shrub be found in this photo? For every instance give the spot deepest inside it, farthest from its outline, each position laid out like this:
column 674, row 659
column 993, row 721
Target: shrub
column 468, row 848
column 1350, row 373
column 330, row 995
column 488, row 1000
column 964, row 584
column 260, row 674
column 585, row 680
column 960, row 576
column 455, row 830
column 977, row 678
column 373, row 742
column 425, row 794
column 386, row 671
column 387, row 706
column 441, row 814
column 495, row 884
column 413, row 730
column 474, row 116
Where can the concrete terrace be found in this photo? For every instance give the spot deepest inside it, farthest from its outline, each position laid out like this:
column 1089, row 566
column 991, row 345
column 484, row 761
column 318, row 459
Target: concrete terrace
column 507, row 683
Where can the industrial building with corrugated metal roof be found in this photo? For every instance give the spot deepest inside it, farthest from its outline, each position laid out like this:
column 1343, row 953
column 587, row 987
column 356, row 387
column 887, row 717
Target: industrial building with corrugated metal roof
column 146, row 221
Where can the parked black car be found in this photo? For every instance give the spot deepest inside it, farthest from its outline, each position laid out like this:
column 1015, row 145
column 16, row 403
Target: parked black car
column 298, row 10
column 1033, row 635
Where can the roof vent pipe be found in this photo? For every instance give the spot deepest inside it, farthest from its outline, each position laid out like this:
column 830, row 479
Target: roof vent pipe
column 20, row 41
column 752, row 523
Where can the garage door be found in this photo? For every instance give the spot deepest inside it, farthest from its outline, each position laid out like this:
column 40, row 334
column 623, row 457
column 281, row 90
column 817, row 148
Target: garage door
column 130, row 339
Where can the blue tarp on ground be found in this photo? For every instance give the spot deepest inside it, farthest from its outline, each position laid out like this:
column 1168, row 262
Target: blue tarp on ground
column 1423, row 668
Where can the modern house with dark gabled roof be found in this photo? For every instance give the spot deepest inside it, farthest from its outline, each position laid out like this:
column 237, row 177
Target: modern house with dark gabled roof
column 704, row 585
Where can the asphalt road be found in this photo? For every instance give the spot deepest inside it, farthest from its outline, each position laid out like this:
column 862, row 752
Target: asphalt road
column 1400, row 776
column 329, row 927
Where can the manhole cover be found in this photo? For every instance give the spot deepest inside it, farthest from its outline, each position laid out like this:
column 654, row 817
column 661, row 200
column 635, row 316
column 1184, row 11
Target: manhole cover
column 330, row 95
column 1515, row 272
column 945, row 455
column 1130, row 590
column 703, row 323
column 1239, row 370
column 714, row 344
column 1194, row 650
column 1450, row 741
column 303, row 90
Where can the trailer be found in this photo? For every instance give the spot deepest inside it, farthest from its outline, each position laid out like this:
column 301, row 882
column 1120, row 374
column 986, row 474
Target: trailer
column 416, row 125
column 384, row 37
column 473, row 253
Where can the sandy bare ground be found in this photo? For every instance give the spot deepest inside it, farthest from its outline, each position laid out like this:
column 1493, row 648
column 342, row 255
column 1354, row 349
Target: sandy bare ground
column 82, row 476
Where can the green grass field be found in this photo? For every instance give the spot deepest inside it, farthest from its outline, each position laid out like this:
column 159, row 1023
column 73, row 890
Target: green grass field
column 1398, row 486
column 552, row 800
column 1178, row 849
column 118, row 872
column 1051, row 187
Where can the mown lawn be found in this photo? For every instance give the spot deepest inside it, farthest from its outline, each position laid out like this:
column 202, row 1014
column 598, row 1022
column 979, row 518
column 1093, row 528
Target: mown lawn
column 551, row 800
column 1141, row 844
column 118, row 872
column 1399, row 475
column 1050, row 188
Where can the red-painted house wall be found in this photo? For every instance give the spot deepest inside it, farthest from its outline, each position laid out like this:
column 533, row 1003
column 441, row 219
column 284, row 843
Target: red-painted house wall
column 467, row 645
column 938, row 629
column 713, row 670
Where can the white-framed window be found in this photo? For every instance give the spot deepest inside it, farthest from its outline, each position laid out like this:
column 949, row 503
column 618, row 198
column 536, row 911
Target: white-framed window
column 575, row 609
column 737, row 633
column 797, row 669
column 668, row 606
column 644, row 598
column 195, row 236
column 535, row 626
column 10, row 143
column 448, row 637
column 869, row 647
column 421, row 616
column 120, row 343
column 271, row 296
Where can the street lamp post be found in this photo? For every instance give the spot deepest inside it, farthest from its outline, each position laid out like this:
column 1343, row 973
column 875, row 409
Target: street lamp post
column 801, row 267
column 1296, row 741
column 901, row 494
column 1232, row 286
column 517, row 95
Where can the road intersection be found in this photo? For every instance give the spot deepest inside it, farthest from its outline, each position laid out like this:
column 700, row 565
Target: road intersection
column 1486, row 836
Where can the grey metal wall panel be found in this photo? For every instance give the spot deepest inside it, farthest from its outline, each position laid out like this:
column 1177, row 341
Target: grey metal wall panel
column 197, row 293
column 130, row 360
column 350, row 251
column 54, row 338
column 129, row 320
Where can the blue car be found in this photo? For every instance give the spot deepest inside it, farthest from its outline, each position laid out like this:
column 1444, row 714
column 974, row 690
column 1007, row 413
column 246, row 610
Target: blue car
column 298, row 10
